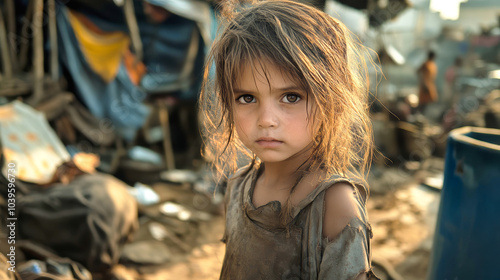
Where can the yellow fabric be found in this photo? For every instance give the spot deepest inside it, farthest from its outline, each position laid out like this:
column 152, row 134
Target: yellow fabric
column 103, row 51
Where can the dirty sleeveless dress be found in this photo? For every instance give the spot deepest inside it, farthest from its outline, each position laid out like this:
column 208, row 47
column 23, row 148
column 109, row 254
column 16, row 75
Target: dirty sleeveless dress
column 259, row 247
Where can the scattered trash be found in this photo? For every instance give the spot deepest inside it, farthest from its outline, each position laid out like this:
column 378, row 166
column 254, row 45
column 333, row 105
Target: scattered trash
column 175, row 210
column 158, row 231
column 52, row 269
column 434, row 182
column 86, row 162
column 143, row 154
column 144, row 194
column 179, row 176
column 32, row 266
column 182, row 213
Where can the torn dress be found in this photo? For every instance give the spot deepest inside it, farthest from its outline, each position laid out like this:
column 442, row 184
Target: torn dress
column 259, row 247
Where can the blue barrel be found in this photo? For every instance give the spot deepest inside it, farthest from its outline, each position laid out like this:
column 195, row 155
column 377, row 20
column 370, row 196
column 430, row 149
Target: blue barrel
column 467, row 237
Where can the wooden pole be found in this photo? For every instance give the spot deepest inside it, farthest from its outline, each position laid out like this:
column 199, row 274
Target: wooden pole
column 11, row 31
column 167, row 140
column 24, row 36
column 54, row 62
column 4, row 50
column 37, row 51
column 133, row 28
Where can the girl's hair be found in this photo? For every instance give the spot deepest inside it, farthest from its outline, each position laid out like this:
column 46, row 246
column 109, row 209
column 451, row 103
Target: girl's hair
column 318, row 52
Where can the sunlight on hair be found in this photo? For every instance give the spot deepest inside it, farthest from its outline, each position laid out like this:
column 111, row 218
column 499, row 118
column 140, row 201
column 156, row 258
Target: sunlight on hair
column 325, row 59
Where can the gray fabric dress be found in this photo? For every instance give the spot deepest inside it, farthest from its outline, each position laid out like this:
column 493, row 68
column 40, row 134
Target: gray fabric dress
column 258, row 246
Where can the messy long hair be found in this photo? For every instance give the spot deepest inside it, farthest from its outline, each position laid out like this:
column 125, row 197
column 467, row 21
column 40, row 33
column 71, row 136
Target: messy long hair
column 319, row 53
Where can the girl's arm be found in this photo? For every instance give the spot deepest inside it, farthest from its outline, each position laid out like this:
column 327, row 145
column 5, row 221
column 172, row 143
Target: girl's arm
column 340, row 208
column 346, row 254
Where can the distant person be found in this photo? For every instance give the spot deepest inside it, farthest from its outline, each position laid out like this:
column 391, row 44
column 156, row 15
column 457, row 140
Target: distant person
column 427, row 82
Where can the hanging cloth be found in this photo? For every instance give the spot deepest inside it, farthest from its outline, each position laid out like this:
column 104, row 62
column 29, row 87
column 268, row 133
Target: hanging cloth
column 102, row 50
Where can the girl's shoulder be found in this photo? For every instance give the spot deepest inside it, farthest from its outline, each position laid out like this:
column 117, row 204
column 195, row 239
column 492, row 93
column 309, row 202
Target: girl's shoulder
column 343, row 203
column 346, row 233
column 337, row 184
column 341, row 206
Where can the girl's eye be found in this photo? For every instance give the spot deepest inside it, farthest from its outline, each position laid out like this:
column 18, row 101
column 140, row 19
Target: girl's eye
column 246, row 99
column 291, row 98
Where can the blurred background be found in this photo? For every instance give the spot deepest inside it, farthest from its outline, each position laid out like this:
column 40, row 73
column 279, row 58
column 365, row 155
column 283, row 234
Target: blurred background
column 100, row 138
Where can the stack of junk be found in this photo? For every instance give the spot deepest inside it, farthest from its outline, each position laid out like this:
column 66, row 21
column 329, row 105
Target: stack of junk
column 92, row 128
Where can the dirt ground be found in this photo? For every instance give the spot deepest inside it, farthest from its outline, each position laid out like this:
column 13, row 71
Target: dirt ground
column 403, row 222
column 401, row 210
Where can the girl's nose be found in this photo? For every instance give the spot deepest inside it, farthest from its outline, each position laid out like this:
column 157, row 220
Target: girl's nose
column 267, row 117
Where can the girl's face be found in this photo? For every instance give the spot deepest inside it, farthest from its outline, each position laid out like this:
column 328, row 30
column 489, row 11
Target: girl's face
column 271, row 113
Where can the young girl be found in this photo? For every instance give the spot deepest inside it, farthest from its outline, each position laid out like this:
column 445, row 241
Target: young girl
column 288, row 98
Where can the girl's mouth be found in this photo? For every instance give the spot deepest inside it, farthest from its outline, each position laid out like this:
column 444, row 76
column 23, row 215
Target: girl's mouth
column 266, row 142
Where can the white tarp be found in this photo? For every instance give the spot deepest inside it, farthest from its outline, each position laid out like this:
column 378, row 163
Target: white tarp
column 28, row 141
